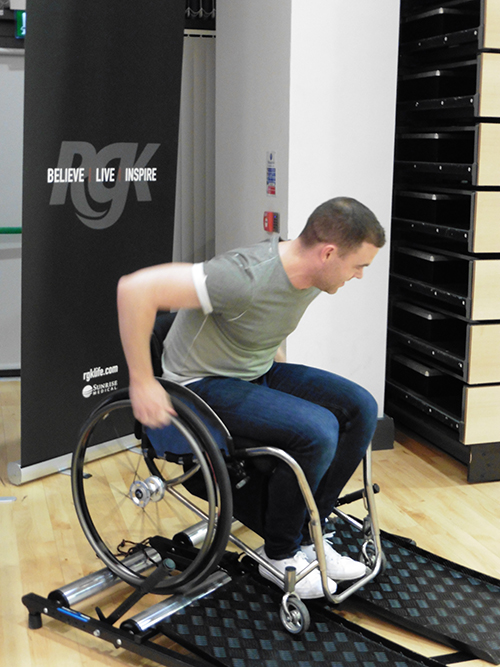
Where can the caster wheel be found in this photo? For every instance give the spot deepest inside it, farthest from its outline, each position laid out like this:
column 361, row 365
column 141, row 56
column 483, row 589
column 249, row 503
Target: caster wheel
column 294, row 615
column 368, row 557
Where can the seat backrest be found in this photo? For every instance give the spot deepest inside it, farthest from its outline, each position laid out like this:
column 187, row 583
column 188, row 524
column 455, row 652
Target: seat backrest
column 164, row 321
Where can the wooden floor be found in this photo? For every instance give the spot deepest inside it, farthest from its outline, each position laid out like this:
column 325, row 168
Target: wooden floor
column 424, row 496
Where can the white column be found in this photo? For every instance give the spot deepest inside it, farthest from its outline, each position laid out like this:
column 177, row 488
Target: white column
column 315, row 81
column 342, row 115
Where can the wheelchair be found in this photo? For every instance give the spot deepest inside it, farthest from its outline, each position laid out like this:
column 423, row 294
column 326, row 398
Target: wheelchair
column 133, row 494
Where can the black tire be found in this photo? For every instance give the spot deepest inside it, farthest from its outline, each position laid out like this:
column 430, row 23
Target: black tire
column 295, row 615
column 128, row 496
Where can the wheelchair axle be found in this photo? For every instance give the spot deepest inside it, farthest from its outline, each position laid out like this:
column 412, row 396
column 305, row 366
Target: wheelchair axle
column 143, row 491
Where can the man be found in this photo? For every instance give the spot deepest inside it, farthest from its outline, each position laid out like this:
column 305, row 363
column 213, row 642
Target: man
column 235, row 311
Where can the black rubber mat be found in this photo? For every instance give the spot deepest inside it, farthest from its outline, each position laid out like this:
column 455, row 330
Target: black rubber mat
column 431, row 596
column 239, row 626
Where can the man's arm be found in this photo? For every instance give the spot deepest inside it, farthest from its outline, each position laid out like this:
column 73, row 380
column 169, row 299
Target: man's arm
column 140, row 296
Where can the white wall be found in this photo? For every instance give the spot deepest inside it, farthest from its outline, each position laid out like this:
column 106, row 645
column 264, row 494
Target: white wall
column 316, row 78
column 11, row 143
column 252, row 116
column 342, row 102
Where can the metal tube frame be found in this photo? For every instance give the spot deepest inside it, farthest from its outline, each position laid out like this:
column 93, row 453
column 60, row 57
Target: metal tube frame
column 93, row 583
column 316, row 527
column 147, row 619
column 317, row 530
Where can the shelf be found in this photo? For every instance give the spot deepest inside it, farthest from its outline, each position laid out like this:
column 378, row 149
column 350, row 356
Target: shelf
column 478, row 422
column 399, row 393
column 464, row 217
column 471, row 351
column 469, row 88
column 482, row 460
column 476, row 296
column 433, row 29
column 456, row 155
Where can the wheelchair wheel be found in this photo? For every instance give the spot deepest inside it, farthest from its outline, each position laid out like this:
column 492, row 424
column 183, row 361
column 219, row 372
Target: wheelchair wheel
column 294, row 615
column 126, row 497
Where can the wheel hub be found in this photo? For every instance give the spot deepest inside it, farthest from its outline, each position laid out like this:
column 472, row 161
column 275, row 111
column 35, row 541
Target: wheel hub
column 144, row 491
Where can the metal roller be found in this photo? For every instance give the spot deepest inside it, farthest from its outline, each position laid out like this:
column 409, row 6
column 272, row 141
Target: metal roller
column 103, row 579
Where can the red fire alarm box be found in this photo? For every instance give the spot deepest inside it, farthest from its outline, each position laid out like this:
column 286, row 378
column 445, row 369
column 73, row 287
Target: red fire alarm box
column 271, row 221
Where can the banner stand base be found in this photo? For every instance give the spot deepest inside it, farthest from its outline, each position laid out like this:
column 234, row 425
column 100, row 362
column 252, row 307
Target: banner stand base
column 18, row 474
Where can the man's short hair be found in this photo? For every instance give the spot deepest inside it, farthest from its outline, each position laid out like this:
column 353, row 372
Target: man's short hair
column 344, row 222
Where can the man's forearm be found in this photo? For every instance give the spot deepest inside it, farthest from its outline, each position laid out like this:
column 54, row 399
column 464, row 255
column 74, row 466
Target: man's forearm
column 136, row 316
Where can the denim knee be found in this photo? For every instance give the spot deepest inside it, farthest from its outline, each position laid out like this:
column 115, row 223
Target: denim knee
column 322, row 447
column 367, row 408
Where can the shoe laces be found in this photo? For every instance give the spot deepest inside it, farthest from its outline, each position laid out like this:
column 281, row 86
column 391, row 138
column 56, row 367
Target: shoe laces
column 330, row 553
column 300, row 556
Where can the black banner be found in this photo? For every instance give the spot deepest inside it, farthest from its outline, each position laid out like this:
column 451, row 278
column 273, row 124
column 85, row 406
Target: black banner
column 102, row 102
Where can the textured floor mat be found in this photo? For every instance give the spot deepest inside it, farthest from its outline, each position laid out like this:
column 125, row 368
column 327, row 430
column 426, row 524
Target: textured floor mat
column 239, row 626
column 431, row 596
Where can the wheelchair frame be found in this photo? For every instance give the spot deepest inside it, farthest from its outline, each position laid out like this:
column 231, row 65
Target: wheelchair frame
column 218, row 518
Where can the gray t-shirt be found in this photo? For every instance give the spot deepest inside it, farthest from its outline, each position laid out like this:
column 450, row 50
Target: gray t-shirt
column 249, row 306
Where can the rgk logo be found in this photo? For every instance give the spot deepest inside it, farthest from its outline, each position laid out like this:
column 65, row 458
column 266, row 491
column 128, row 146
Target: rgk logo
column 99, row 182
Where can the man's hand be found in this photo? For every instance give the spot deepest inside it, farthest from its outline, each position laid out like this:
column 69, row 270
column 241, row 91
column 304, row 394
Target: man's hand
column 140, row 296
column 151, row 404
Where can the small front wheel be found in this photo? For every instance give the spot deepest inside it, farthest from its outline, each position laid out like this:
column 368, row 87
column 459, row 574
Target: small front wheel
column 368, row 556
column 294, row 615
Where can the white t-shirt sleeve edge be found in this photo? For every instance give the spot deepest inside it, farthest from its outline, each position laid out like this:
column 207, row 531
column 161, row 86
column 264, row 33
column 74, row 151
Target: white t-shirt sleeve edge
column 200, row 284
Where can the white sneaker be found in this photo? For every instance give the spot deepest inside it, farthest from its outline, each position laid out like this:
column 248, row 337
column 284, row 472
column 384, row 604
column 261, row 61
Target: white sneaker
column 338, row 568
column 308, row 588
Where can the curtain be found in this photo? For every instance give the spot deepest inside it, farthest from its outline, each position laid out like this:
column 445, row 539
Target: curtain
column 200, row 9
column 194, row 229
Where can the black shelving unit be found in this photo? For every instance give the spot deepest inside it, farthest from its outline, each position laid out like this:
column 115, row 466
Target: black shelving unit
column 443, row 374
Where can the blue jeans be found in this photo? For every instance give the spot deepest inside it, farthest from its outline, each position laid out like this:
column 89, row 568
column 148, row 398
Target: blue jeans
column 323, row 420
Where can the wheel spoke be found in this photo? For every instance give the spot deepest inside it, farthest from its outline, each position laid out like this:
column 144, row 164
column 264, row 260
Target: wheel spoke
column 121, row 498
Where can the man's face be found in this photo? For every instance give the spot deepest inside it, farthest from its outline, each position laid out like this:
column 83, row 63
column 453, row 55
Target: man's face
column 338, row 269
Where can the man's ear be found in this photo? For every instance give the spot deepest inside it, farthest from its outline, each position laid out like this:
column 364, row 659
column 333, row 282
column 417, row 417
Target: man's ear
column 327, row 251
